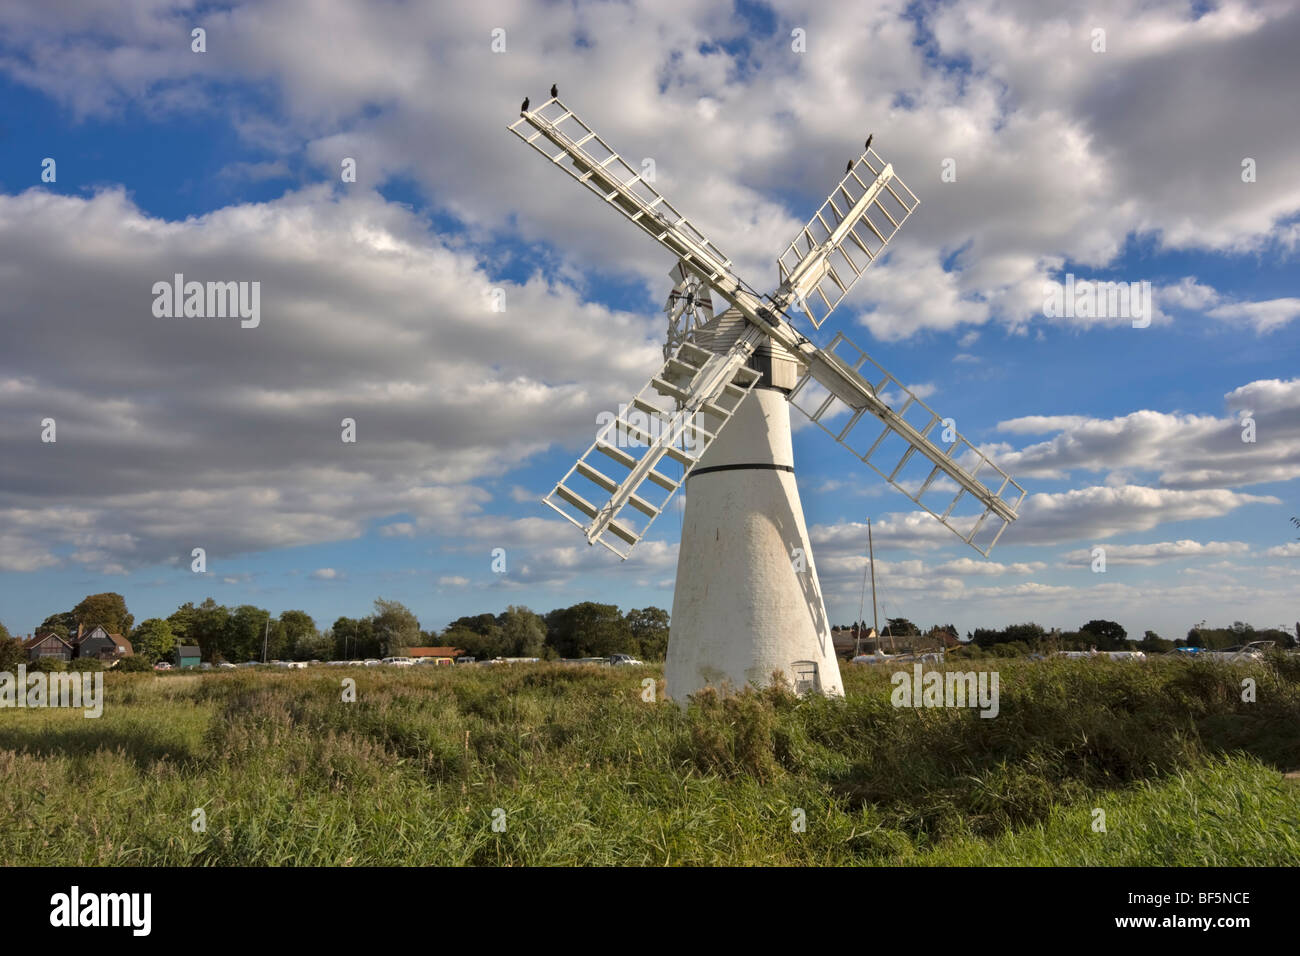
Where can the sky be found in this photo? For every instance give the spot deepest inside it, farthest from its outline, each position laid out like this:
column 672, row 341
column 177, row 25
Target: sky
column 1116, row 141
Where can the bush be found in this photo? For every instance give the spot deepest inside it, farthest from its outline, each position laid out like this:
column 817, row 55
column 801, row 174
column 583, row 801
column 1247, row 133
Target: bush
column 134, row 663
column 86, row 664
column 11, row 654
column 48, row 665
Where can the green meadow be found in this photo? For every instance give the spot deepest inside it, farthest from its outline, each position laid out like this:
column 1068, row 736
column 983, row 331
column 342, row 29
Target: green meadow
column 1088, row 763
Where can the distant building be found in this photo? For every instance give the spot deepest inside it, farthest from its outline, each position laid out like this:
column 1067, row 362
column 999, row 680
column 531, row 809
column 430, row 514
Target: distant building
column 845, row 640
column 188, row 655
column 451, row 653
column 95, row 645
column 48, row 645
column 98, row 644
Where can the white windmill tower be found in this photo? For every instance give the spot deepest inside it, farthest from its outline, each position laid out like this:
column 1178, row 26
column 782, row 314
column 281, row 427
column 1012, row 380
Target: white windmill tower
column 748, row 603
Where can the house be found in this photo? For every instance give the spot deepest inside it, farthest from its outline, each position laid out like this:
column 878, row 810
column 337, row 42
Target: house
column 438, row 653
column 187, row 655
column 845, row 639
column 48, row 645
column 99, row 645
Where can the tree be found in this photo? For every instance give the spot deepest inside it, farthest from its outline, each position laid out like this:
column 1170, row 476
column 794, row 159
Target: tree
column 1108, row 636
column 181, row 622
column 107, row 610
column 314, row 647
column 11, row 652
column 354, row 638
column 153, row 640
column 588, row 630
column 902, row 627
column 1029, row 634
column 474, row 644
column 245, row 631
column 208, row 627
column 649, row 628
column 395, row 627
column 61, row 624
column 478, row 623
column 523, row 633
column 298, row 627
column 1153, row 643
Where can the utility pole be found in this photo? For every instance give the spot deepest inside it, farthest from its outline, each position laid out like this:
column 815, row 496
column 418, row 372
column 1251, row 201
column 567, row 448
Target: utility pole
column 875, row 621
column 265, row 632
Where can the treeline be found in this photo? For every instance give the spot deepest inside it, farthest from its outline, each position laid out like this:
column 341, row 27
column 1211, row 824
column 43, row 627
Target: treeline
column 248, row 632
column 1105, row 635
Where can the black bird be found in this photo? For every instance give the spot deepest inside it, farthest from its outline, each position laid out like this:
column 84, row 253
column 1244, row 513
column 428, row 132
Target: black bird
column 555, row 91
column 524, row 107
column 869, row 139
column 849, row 168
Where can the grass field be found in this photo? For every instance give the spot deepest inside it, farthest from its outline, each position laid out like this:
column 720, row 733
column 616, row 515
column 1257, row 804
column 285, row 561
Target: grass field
column 588, row 773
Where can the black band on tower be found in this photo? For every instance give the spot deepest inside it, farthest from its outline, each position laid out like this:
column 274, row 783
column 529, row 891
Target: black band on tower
column 760, row 466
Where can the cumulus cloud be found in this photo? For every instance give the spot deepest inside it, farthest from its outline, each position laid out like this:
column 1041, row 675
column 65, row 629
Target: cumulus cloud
column 1036, row 120
column 184, row 432
column 1266, row 316
column 1157, row 552
column 1184, row 450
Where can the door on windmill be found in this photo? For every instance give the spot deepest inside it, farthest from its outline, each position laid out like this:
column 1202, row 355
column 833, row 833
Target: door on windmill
column 806, row 678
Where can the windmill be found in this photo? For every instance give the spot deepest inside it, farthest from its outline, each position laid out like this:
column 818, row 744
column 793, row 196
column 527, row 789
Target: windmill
column 748, row 603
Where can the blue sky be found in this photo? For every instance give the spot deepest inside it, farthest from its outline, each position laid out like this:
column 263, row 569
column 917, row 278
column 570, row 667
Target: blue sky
column 1118, row 165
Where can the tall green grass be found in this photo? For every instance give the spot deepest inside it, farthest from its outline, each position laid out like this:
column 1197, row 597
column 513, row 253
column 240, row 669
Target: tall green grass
column 585, row 772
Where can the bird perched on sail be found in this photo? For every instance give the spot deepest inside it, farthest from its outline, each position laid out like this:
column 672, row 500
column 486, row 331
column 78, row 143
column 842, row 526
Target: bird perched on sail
column 524, row 107
column 849, row 168
column 555, row 91
column 870, row 137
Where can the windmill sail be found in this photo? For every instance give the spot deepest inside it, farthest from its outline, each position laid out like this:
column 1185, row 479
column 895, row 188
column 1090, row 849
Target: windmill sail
column 851, row 396
column 681, row 410
column 671, row 422
column 557, row 133
column 845, row 236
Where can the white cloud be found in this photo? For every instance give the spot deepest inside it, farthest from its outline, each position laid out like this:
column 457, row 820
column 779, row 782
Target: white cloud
column 1267, row 316
column 1184, row 450
column 346, row 331
column 1029, row 125
column 1157, row 552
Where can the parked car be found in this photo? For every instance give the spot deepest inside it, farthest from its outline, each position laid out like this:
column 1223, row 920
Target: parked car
column 162, row 666
column 624, row 660
column 371, row 662
column 226, row 666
